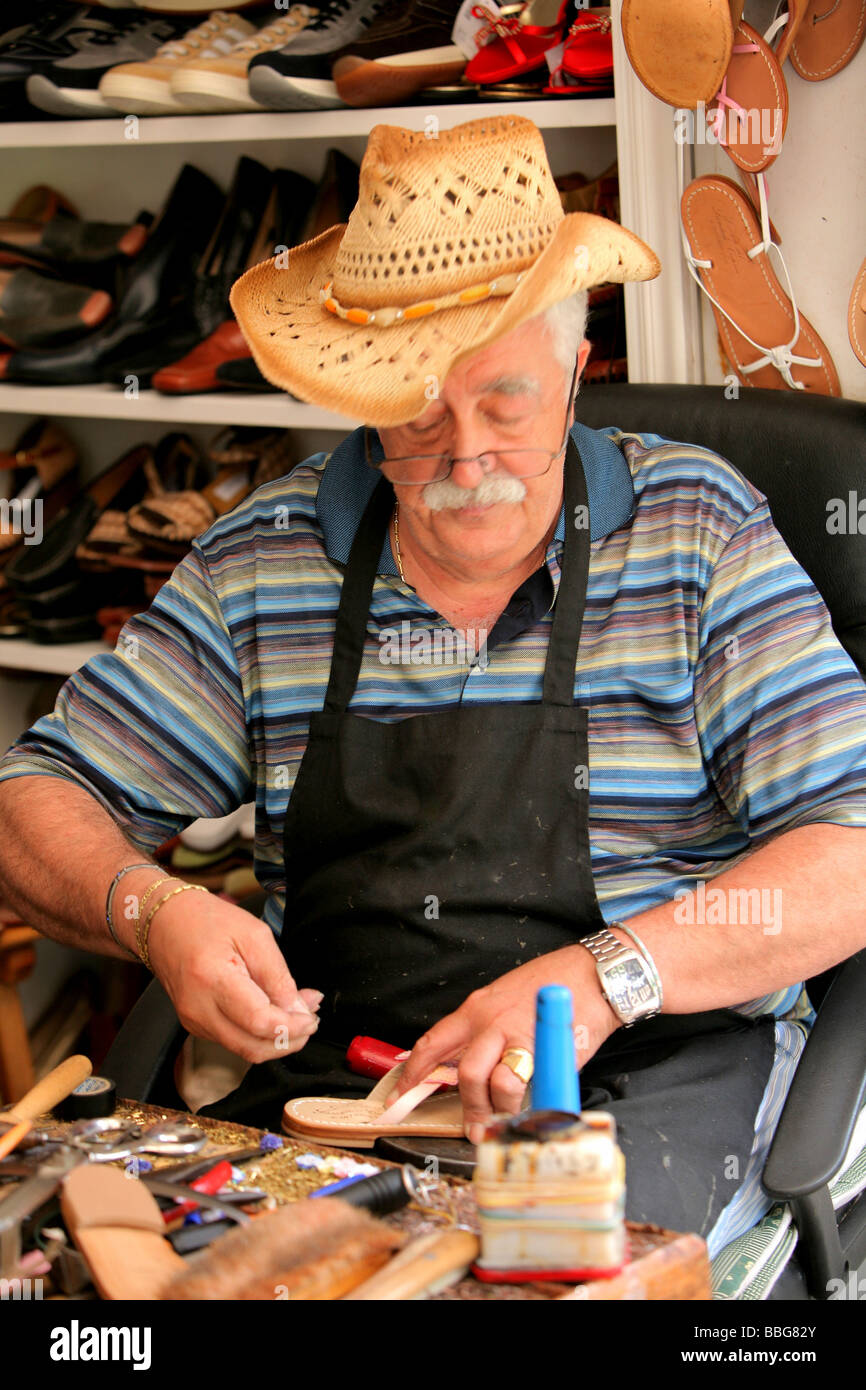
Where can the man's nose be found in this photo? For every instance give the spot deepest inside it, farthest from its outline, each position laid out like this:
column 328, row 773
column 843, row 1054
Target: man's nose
column 467, row 473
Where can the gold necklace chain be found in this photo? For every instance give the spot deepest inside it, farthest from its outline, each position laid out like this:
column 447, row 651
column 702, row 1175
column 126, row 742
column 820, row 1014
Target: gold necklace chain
column 397, row 541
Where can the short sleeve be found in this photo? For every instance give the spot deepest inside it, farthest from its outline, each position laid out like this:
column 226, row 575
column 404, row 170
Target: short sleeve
column 156, row 729
column 780, row 706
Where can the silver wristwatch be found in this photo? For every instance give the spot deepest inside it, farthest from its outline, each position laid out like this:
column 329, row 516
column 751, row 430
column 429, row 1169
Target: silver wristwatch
column 629, row 980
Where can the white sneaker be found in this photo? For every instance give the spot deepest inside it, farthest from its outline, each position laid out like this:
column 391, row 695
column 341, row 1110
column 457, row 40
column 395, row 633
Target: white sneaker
column 219, row 82
column 145, row 89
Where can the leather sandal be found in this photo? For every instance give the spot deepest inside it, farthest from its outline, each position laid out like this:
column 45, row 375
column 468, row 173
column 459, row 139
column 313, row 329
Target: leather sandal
column 588, row 51
column 515, row 44
column 678, row 49
column 828, row 37
column 750, row 110
column 768, row 342
column 357, row 1124
column 857, row 315
column 246, row 459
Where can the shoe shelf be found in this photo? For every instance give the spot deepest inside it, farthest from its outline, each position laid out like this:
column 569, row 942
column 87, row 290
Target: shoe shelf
column 61, row 659
column 555, row 113
column 111, row 403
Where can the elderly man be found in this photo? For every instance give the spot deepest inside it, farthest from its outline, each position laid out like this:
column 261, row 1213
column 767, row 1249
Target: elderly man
column 650, row 697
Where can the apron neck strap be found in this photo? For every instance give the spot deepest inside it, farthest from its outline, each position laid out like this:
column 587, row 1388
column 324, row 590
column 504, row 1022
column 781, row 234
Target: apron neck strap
column 360, row 576
column 571, row 598
column 356, row 596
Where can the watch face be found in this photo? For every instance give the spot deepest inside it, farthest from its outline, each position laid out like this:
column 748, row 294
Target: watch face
column 629, row 986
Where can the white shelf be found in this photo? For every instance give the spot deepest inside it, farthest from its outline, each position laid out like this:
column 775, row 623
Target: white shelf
column 217, row 408
column 59, row 660
column 550, row 114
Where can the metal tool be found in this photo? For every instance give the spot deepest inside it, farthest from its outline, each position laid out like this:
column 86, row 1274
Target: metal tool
column 18, row 1205
column 104, row 1140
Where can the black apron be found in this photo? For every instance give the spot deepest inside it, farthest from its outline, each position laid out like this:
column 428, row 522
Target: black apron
column 428, row 856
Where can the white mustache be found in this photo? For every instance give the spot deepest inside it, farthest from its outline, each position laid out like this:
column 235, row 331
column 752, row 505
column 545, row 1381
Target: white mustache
column 496, row 487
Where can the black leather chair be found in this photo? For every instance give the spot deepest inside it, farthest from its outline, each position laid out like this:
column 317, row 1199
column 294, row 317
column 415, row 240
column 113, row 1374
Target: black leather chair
column 800, row 451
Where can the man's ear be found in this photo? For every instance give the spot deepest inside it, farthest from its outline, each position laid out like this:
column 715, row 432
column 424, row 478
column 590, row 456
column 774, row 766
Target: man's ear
column 582, row 354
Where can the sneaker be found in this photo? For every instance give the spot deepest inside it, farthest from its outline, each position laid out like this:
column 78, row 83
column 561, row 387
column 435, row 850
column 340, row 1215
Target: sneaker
column 97, row 40
column 33, row 35
column 299, row 78
column 219, row 83
column 405, row 50
column 145, row 88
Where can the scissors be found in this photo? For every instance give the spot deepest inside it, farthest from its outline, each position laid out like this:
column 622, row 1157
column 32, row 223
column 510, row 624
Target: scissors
column 104, row 1140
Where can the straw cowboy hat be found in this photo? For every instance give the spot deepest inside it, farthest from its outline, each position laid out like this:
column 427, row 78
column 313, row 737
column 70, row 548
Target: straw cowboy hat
column 454, row 242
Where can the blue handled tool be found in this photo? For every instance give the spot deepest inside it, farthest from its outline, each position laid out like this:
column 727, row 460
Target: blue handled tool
column 555, row 1083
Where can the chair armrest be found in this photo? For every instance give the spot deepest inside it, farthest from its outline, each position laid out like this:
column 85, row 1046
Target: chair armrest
column 148, row 1036
column 826, row 1094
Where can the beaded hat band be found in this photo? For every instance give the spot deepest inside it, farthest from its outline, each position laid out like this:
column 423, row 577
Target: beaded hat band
column 458, row 237
column 388, row 314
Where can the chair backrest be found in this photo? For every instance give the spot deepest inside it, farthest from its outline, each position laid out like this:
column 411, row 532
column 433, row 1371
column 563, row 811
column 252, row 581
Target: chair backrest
column 806, row 454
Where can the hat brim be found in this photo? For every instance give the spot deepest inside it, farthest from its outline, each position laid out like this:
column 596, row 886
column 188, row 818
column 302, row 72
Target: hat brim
column 383, row 376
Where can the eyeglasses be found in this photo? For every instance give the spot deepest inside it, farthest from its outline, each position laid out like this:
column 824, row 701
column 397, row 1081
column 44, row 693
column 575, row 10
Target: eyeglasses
column 417, row 470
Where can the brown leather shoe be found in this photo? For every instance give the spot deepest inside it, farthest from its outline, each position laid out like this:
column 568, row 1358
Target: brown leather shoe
column 197, row 370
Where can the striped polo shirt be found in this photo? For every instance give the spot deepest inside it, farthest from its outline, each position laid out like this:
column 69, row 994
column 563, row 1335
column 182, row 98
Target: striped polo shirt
column 722, row 709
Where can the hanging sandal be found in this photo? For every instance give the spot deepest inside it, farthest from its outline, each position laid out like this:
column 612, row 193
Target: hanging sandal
column 750, row 110
column 857, row 315
column 727, row 252
column 680, row 50
column 357, row 1124
column 829, row 36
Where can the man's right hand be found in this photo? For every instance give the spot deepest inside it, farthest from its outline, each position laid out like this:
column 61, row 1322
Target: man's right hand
column 228, row 979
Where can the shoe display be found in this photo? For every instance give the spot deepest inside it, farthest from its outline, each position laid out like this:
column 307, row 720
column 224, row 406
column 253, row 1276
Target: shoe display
column 100, row 39
column 406, row 49
column 298, row 78
column 157, row 302
column 145, row 88
column 220, row 82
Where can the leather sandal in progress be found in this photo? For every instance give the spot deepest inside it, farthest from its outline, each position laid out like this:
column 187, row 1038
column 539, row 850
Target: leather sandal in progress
column 357, row 1124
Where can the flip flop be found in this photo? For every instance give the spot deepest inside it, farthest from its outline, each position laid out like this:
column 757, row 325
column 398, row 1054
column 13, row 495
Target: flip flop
column 680, row 50
column 768, row 342
column 118, row 1227
column 750, row 110
column 857, row 315
column 357, row 1124
column 828, row 37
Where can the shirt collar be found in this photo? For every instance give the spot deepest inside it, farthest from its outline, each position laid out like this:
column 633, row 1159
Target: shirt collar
column 348, row 482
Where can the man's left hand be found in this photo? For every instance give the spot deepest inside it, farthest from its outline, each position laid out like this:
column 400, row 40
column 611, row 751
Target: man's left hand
column 502, row 1015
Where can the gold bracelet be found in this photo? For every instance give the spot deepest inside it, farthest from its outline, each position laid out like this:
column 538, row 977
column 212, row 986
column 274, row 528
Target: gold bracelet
column 145, row 930
column 141, row 902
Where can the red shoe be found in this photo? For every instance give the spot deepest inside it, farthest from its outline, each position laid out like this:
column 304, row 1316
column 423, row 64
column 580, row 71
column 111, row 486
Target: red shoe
column 588, row 52
column 197, row 371
column 517, row 43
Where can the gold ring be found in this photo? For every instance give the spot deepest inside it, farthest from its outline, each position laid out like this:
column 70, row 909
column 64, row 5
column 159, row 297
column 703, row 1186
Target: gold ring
column 520, row 1061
